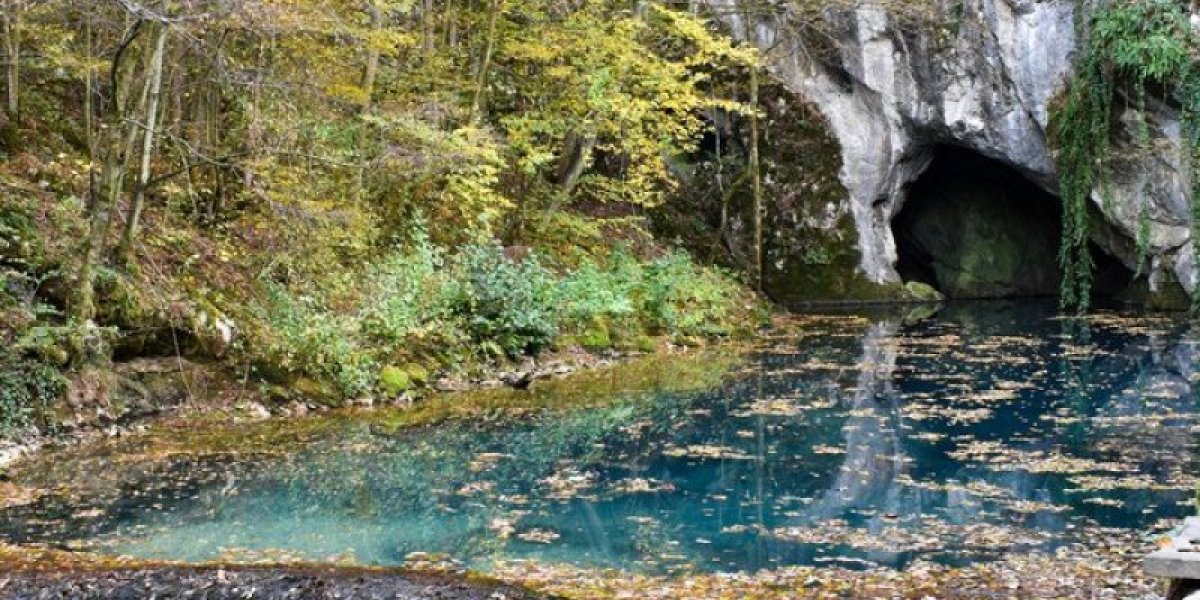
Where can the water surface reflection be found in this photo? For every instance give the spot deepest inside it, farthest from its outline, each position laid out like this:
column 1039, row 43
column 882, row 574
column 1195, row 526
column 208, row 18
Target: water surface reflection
column 989, row 429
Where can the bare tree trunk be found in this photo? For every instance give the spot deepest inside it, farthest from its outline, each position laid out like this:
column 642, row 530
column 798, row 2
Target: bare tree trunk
column 486, row 62
column 451, row 25
column 12, row 47
column 119, row 138
column 577, row 151
column 428, row 24
column 368, row 89
column 89, row 109
column 151, row 123
column 254, row 130
column 755, row 166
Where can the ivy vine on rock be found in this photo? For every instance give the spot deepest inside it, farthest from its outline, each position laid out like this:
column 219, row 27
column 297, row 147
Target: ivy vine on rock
column 1132, row 49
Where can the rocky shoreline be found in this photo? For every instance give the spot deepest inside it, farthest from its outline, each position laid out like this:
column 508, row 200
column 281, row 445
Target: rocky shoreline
column 250, row 582
column 156, row 388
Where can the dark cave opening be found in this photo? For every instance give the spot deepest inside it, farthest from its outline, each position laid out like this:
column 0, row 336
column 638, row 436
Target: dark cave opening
column 973, row 227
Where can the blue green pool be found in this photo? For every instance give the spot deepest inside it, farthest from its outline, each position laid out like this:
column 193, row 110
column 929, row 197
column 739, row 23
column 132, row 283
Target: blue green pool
column 985, row 429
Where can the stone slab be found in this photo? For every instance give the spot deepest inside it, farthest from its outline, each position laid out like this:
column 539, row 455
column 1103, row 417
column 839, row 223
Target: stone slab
column 1180, row 558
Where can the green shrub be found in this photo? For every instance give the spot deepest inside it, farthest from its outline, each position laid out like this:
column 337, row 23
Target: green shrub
column 593, row 292
column 671, row 295
column 410, row 294
column 508, row 305
column 307, row 338
column 423, row 301
column 29, row 391
column 682, row 298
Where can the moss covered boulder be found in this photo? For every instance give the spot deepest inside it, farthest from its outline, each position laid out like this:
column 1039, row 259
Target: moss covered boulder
column 394, row 381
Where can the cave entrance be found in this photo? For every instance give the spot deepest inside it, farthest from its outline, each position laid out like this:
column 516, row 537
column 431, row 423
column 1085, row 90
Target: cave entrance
column 973, row 227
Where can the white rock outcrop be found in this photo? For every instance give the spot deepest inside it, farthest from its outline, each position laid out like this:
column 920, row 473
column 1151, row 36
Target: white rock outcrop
column 984, row 78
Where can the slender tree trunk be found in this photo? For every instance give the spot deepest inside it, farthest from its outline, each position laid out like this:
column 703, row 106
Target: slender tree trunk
column 151, row 124
column 427, row 21
column 89, row 82
column 254, row 129
column 368, row 89
column 756, row 181
column 12, row 46
column 119, row 138
column 486, row 62
column 755, row 166
column 89, row 108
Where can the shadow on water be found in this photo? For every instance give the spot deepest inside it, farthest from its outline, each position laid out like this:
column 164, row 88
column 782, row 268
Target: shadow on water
column 987, row 429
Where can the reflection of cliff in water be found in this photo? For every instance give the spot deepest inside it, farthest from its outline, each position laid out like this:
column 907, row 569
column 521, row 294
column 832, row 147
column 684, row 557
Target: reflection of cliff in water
column 823, row 448
column 874, row 450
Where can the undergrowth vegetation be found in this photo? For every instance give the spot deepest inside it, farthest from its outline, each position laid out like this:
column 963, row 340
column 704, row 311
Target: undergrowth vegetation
column 426, row 304
column 29, row 392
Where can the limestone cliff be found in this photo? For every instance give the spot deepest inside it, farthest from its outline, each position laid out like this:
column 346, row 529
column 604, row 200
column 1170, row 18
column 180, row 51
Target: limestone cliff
column 980, row 75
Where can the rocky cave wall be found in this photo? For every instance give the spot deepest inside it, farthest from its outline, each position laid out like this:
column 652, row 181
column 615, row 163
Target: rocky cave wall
column 982, row 76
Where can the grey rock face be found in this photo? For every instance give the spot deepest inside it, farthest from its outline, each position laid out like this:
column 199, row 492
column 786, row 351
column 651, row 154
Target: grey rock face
column 982, row 78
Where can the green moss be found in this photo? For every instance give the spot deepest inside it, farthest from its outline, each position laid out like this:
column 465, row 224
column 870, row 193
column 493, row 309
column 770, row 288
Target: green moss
column 418, row 374
column 811, row 243
column 700, row 370
column 808, row 258
column 212, row 433
column 596, row 337
column 645, row 343
column 921, row 292
column 319, row 391
column 394, row 381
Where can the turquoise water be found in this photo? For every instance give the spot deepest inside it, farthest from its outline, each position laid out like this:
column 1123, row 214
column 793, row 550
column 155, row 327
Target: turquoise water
column 988, row 429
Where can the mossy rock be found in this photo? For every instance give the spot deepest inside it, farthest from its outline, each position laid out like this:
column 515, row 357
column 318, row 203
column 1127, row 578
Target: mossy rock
column 394, row 381
column 321, row 392
column 564, row 342
column 922, row 292
column 417, row 374
column 645, row 343
column 596, row 337
column 637, row 343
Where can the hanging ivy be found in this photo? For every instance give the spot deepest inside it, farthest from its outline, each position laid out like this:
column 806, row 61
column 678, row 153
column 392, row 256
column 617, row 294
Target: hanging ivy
column 1139, row 45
